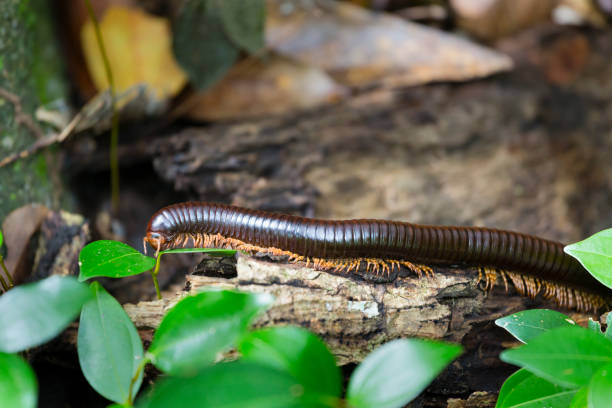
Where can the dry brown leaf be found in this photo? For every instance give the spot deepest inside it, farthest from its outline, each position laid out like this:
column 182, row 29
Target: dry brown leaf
column 359, row 47
column 260, row 87
column 18, row 228
column 493, row 19
column 139, row 49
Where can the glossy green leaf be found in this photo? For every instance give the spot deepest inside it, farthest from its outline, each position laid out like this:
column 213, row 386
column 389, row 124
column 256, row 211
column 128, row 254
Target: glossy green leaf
column 1, row 238
column 397, row 372
column 112, row 259
column 567, row 356
column 210, row 251
column 35, row 313
column 595, row 254
column 580, row 398
column 229, row 385
column 18, row 387
column 109, row 347
column 243, row 21
column 297, row 351
column 525, row 390
column 199, row 327
column 600, row 388
column 199, row 23
column 529, row 324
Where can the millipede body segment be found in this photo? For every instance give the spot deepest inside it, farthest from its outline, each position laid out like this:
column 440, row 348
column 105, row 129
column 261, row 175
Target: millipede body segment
column 534, row 265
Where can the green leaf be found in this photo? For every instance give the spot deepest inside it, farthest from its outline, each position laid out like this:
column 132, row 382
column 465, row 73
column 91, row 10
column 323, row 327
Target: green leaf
column 397, row 372
column 35, row 313
column 567, row 356
column 112, row 259
column 525, row 390
column 1, row 238
column 600, row 388
column 210, row 251
column 109, row 347
column 18, row 387
column 199, row 327
column 595, row 254
column 580, row 399
column 243, row 21
column 529, row 324
column 229, row 385
column 297, row 351
column 199, row 23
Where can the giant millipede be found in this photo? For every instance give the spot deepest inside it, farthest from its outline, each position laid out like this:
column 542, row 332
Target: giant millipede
column 534, row 265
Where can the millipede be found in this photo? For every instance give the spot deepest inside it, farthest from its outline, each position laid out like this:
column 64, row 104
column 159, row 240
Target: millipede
column 534, row 265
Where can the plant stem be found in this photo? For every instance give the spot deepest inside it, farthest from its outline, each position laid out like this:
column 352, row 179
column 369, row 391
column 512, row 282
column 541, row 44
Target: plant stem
column 8, row 275
column 141, row 366
column 114, row 158
column 154, row 276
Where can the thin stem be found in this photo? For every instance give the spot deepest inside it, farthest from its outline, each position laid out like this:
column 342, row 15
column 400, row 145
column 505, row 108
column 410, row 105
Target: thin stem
column 141, row 366
column 114, row 142
column 8, row 275
column 154, row 276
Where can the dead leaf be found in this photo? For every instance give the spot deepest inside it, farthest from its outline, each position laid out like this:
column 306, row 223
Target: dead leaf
column 359, row 47
column 18, row 228
column 138, row 46
column 493, row 19
column 259, row 87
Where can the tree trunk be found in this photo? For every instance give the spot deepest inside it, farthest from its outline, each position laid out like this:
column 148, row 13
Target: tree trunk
column 31, row 75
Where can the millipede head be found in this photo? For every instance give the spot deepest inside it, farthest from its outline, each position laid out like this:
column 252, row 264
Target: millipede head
column 155, row 239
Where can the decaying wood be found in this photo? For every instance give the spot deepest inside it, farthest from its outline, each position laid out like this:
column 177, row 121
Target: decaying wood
column 354, row 315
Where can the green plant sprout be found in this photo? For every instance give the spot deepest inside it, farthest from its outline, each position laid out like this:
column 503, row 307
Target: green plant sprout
column 114, row 259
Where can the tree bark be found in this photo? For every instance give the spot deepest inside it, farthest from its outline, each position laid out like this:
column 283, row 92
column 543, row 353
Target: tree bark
column 31, row 76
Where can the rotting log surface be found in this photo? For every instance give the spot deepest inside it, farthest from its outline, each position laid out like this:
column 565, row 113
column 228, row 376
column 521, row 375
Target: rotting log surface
column 354, row 315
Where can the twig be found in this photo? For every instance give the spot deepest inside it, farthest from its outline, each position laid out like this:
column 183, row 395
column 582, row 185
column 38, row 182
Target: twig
column 43, row 142
column 21, row 117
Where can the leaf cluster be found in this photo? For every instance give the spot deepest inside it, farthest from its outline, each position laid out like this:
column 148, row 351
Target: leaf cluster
column 563, row 365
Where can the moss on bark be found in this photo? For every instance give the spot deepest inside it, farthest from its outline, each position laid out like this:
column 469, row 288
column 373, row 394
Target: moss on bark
column 31, row 68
